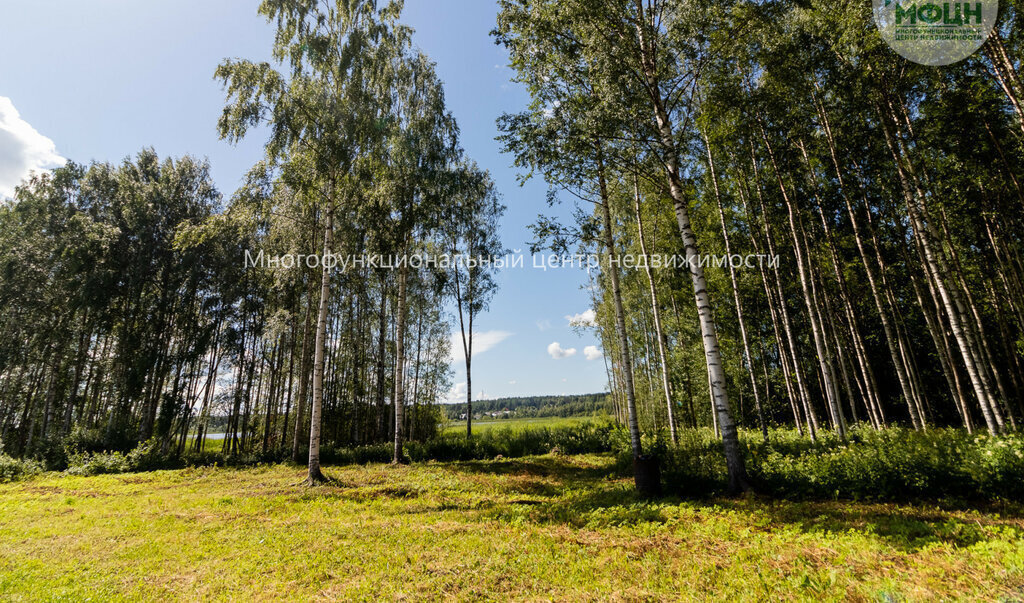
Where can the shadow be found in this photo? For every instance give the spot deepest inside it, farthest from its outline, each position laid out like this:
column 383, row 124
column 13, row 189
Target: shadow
column 585, row 496
column 540, row 466
column 905, row 526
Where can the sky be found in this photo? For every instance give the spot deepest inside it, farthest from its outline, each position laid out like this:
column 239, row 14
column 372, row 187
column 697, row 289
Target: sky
column 101, row 80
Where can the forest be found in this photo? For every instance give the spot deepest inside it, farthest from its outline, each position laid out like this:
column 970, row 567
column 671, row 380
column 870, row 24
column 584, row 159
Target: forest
column 888, row 192
column 832, row 362
column 134, row 307
column 887, row 195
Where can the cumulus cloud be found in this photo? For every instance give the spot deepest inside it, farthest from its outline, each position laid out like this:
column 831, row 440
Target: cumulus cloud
column 591, row 352
column 482, row 341
column 587, row 318
column 456, row 394
column 22, row 149
column 557, row 351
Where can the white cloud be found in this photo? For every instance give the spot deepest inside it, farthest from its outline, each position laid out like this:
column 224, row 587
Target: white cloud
column 557, row 351
column 456, row 394
column 591, row 352
column 22, row 149
column 512, row 382
column 564, row 379
column 482, row 341
column 587, row 318
column 543, row 325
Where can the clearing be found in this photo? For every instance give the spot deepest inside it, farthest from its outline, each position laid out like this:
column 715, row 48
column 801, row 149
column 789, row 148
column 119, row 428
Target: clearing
column 521, row 423
column 545, row 527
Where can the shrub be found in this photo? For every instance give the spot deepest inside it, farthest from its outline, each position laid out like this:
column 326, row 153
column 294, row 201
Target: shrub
column 12, row 469
column 97, row 463
column 144, row 457
column 359, row 455
column 82, row 439
column 893, row 464
column 511, row 442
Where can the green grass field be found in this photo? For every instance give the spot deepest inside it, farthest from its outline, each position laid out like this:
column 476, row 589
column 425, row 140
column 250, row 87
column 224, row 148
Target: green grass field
column 517, row 423
column 537, row 528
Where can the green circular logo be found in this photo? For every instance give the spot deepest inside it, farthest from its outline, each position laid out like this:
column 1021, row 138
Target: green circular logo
column 935, row 33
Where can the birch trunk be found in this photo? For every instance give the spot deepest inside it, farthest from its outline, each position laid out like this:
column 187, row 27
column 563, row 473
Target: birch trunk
column 736, row 293
column 658, row 330
column 824, row 361
column 620, row 315
column 935, row 269
column 315, row 476
column 399, row 401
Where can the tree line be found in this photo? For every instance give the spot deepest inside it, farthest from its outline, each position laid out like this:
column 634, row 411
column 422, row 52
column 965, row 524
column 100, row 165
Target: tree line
column 539, row 406
column 129, row 309
column 890, row 192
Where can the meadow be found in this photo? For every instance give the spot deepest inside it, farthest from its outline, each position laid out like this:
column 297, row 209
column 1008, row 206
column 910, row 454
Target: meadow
column 457, row 427
column 548, row 527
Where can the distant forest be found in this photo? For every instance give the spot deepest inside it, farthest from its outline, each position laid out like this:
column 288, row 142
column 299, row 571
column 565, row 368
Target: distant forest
column 540, row 406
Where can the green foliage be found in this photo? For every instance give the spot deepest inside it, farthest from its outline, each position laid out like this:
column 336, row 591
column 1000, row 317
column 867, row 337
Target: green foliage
column 83, row 439
column 12, row 469
column 79, row 457
column 539, row 406
column 890, row 465
column 145, row 457
column 578, row 439
column 893, row 464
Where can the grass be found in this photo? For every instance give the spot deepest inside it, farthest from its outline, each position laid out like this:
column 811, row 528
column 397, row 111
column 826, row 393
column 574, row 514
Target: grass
column 211, row 443
column 536, row 528
column 480, row 425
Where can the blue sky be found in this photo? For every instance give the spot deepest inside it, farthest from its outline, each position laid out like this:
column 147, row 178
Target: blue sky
column 103, row 79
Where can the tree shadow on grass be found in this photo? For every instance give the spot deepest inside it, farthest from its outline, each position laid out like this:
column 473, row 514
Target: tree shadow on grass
column 906, row 526
column 582, row 496
column 539, row 466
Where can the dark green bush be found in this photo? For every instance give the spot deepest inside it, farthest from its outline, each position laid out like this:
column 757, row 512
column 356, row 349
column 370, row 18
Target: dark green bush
column 360, row 455
column 512, row 442
column 12, row 469
column 894, row 464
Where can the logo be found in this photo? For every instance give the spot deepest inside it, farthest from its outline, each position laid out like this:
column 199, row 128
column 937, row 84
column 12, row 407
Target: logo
column 935, row 33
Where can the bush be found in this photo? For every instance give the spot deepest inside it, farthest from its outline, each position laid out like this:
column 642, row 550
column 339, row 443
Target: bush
column 97, row 463
column 893, row 464
column 359, row 455
column 12, row 469
column 144, row 457
column 51, row 453
column 82, row 439
column 511, row 442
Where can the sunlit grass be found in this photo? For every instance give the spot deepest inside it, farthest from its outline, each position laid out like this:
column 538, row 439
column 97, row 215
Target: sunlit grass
column 538, row 528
